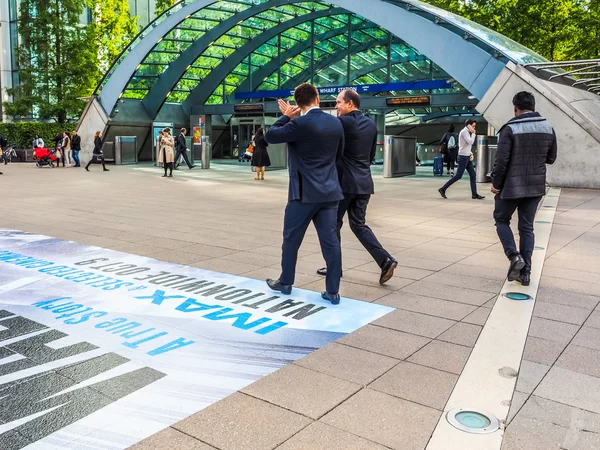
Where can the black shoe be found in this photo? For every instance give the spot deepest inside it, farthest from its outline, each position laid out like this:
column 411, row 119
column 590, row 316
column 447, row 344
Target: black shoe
column 516, row 264
column 191, row 167
column 165, row 175
column 333, row 298
column 277, row 286
column 105, row 170
column 442, row 193
column 86, row 168
column 387, row 271
column 525, row 279
column 323, row 272
column 478, row 197
column 176, row 168
column 170, row 175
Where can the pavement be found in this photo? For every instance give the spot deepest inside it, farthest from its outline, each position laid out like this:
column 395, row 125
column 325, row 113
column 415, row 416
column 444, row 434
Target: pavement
column 387, row 384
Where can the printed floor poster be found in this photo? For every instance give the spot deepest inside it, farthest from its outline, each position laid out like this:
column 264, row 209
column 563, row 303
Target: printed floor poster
column 100, row 349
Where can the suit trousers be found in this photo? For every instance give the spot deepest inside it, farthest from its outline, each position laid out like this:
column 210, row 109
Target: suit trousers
column 297, row 218
column 356, row 207
column 179, row 154
column 526, row 209
column 464, row 163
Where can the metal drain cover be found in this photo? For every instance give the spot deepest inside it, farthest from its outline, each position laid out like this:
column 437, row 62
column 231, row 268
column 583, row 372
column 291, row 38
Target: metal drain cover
column 472, row 421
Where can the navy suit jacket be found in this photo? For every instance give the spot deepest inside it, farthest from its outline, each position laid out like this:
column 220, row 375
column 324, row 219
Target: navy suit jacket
column 354, row 167
column 315, row 142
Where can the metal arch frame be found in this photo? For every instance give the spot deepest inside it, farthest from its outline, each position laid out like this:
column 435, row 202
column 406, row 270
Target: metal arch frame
column 206, row 87
column 384, row 64
column 459, row 112
column 474, row 66
column 158, row 93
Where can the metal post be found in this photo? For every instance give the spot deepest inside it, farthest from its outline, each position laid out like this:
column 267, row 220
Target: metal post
column 312, row 51
column 482, row 159
column 206, row 152
column 389, row 57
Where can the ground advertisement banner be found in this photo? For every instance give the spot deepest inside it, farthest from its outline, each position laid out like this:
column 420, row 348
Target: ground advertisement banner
column 100, row 349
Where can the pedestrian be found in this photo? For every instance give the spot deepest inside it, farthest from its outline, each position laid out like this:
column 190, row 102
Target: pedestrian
column 525, row 145
column 66, row 147
column 60, row 154
column 260, row 156
column 166, row 154
column 354, row 171
column 97, row 154
column 315, row 142
column 157, row 147
column 76, row 147
column 4, row 149
column 449, row 148
column 38, row 142
column 181, row 148
column 465, row 160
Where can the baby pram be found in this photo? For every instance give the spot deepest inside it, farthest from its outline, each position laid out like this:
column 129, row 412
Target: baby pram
column 247, row 155
column 44, row 157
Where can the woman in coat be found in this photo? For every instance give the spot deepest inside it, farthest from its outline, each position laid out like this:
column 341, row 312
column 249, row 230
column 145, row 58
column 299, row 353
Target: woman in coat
column 97, row 154
column 166, row 154
column 260, row 157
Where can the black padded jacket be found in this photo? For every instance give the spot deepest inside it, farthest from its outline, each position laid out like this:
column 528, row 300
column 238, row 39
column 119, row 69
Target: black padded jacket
column 526, row 144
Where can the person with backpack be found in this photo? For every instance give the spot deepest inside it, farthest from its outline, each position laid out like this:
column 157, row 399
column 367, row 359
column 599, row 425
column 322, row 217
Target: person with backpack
column 3, row 149
column 449, row 148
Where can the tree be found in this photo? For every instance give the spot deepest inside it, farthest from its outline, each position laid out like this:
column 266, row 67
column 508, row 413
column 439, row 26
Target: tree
column 163, row 5
column 56, row 60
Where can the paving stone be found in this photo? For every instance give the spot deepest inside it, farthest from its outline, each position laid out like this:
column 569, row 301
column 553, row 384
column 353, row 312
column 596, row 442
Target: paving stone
column 530, row 375
column 443, row 356
column 409, row 273
column 573, row 286
column 321, row 436
column 427, row 305
column 580, row 359
column 481, row 284
column 223, row 265
column 419, row 384
column 479, row 316
column 566, row 297
column 462, row 334
column 385, row 341
column 370, row 279
column 352, row 290
column 452, row 293
column 348, row 363
column 588, row 337
column 594, row 320
column 517, row 402
column 476, row 271
column 542, row 351
column 381, row 418
column 551, row 330
column 415, row 323
column 241, row 422
column 171, row 439
column 571, row 388
column 561, row 313
column 302, row 390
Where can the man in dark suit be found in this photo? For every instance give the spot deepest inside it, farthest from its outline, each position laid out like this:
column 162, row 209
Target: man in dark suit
column 354, row 170
column 315, row 142
column 181, row 150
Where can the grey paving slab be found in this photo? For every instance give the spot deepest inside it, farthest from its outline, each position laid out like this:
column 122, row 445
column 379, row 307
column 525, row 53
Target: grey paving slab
column 580, row 359
column 385, row 341
column 594, row 320
column 452, row 293
column 241, row 422
column 542, row 351
column 352, row 290
column 443, row 356
column 389, row 421
column 409, row 273
column 561, row 313
column 579, row 287
column 479, row 316
column 571, row 388
column 459, row 280
column 566, row 297
column 415, row 323
column 313, row 394
column 588, row 337
column 171, row 439
column 321, row 436
column 462, row 334
column 348, row 363
column 517, row 402
column 224, row 265
column 416, row 383
column 552, row 330
column 371, row 279
column 530, row 375
column 427, row 305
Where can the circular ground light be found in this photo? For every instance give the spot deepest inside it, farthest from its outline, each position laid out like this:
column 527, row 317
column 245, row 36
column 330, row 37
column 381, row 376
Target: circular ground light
column 542, row 221
column 518, row 296
column 471, row 421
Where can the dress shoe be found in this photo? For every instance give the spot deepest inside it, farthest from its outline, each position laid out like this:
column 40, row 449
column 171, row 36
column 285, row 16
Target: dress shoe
column 323, row 272
column 478, row 197
column 525, row 279
column 387, row 271
column 105, row 170
column 333, row 298
column 516, row 264
column 176, row 168
column 191, row 167
column 442, row 193
column 277, row 286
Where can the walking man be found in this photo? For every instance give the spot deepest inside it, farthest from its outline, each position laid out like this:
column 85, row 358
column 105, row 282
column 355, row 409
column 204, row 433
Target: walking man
column 354, row 171
column 526, row 144
column 465, row 160
column 315, row 142
column 181, row 150
column 76, row 147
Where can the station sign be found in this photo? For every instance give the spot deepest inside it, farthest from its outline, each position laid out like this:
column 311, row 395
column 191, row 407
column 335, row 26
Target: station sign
column 248, row 107
column 421, row 100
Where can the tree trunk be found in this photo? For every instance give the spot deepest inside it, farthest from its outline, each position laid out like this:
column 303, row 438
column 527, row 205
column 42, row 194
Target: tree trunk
column 61, row 116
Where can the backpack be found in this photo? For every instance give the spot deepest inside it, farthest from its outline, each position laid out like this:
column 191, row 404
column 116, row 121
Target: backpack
column 3, row 142
column 452, row 142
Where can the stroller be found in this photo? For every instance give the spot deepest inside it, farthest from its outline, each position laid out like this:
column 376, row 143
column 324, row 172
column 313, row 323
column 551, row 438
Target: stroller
column 247, row 155
column 44, row 157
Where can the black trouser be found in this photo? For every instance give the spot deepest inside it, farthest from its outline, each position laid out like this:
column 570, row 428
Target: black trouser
column 297, row 218
column 450, row 164
column 464, row 162
column 167, row 165
column 185, row 158
column 95, row 159
column 356, row 207
column 526, row 209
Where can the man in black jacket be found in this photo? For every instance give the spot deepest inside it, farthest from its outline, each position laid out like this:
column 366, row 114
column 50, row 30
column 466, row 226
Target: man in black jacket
column 354, row 170
column 76, row 147
column 315, row 142
column 181, row 150
column 526, row 144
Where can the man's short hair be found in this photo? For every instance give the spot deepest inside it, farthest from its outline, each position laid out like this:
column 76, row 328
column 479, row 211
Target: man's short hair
column 470, row 122
column 525, row 101
column 305, row 94
column 183, row 130
column 351, row 95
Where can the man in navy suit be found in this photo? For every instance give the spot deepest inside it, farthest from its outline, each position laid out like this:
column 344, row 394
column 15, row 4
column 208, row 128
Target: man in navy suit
column 315, row 142
column 354, row 170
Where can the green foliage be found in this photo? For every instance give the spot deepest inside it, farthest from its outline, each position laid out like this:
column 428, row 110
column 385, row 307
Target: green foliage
column 163, row 5
column 21, row 134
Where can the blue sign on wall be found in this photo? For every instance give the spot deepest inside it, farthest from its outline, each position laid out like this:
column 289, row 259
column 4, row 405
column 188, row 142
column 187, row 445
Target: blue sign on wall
column 362, row 88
